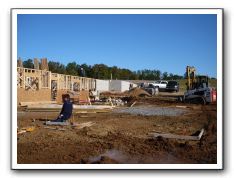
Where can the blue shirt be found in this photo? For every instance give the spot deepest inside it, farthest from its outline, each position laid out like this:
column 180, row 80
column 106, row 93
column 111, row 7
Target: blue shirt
column 67, row 109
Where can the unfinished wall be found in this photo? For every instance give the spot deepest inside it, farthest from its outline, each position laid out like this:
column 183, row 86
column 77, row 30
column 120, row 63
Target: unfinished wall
column 19, row 63
column 44, row 64
column 36, row 64
column 60, row 93
column 33, row 95
column 42, row 85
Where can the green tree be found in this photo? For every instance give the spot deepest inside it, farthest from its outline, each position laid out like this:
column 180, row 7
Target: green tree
column 125, row 74
column 164, row 75
column 28, row 64
column 115, row 72
column 101, row 71
column 158, row 74
column 177, row 77
column 56, row 67
column 133, row 76
column 87, row 70
column 170, row 77
column 72, row 68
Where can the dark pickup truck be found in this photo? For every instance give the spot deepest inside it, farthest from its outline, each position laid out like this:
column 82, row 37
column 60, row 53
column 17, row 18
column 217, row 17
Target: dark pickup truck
column 173, row 86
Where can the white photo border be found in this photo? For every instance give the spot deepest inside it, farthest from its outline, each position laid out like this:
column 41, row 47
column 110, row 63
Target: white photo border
column 220, row 118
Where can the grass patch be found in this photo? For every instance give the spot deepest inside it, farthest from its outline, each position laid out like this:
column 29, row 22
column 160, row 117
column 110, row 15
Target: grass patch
column 182, row 82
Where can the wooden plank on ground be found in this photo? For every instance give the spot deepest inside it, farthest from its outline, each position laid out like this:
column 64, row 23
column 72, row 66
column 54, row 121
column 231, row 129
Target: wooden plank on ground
column 85, row 112
column 75, row 110
column 42, row 110
column 103, row 111
column 82, row 125
column 51, row 128
column 83, row 116
column 178, row 106
column 26, row 103
column 180, row 137
column 54, row 128
column 92, row 111
column 21, row 132
column 133, row 104
column 57, row 123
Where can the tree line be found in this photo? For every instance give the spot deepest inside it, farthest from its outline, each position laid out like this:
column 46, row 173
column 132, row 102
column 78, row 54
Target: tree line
column 102, row 71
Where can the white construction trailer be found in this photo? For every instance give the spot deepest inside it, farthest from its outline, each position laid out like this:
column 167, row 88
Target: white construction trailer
column 111, row 85
column 102, row 85
column 119, row 85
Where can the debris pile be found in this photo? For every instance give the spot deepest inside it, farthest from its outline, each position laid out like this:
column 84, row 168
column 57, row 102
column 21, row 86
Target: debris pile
column 134, row 92
column 25, row 129
column 113, row 94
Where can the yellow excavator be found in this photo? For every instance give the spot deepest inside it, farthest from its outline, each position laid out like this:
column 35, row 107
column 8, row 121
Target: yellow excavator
column 198, row 90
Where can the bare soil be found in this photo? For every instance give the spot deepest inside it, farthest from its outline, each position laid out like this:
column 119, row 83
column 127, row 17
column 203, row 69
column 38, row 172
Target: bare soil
column 121, row 137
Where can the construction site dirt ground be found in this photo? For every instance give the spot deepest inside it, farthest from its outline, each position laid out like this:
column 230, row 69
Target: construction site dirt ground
column 120, row 137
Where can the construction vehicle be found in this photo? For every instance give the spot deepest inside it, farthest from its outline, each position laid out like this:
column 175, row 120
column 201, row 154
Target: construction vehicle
column 198, row 89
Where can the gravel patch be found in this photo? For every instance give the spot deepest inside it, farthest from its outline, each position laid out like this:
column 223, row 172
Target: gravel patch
column 152, row 111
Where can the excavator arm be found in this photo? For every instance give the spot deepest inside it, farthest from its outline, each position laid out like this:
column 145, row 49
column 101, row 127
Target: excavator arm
column 191, row 77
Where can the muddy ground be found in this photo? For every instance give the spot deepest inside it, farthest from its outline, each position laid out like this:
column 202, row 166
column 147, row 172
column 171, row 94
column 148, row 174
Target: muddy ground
column 118, row 137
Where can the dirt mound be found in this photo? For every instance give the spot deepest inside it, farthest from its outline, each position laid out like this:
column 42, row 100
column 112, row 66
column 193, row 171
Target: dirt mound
column 113, row 94
column 138, row 92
